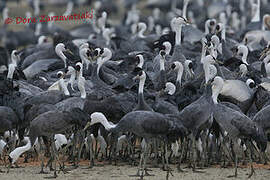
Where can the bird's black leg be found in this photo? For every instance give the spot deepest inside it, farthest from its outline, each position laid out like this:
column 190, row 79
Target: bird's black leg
column 155, row 145
column 140, row 165
column 90, row 146
column 235, row 166
column 74, row 149
column 265, row 158
column 180, row 158
column 194, row 156
column 146, row 155
column 42, row 162
column 54, row 157
column 250, row 160
column 80, row 146
column 167, row 168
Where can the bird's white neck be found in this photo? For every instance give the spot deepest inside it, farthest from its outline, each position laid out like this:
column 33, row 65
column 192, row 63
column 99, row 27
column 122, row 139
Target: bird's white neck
column 140, row 65
column 162, row 63
column 11, row 69
column 151, row 23
column 244, row 57
column 141, row 84
column 178, row 32
column 216, row 89
column 81, row 86
column 62, row 56
column 5, row 14
column 223, row 32
column 103, row 120
column 102, row 60
column 14, row 61
column 63, row 86
column 69, row 8
column 141, row 32
column 256, row 17
column 179, row 74
column 15, row 154
column 36, row 7
column 185, row 8
column 72, row 80
column 85, row 61
column 203, row 52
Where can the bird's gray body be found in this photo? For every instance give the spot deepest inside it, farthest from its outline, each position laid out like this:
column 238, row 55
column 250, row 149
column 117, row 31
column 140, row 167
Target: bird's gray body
column 8, row 119
column 148, row 124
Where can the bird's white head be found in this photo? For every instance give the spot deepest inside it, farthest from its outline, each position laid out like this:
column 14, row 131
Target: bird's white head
column 167, row 47
column 140, row 59
column 15, row 57
column 42, row 39
column 170, row 88
column 250, row 83
column 217, row 86
column 97, row 117
column 60, row 74
column 78, row 66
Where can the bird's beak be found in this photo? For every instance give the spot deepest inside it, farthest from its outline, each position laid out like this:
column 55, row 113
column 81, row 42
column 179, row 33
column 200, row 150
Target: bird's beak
column 188, row 22
column 87, row 126
column 69, row 51
column 219, row 62
column 136, row 77
column 64, row 74
column 192, row 74
column 263, row 53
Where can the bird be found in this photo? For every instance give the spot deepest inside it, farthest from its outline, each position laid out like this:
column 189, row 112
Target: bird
column 48, row 124
column 236, row 124
column 146, row 124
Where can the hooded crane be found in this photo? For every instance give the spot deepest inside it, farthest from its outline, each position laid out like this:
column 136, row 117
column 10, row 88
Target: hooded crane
column 237, row 124
column 48, row 124
column 144, row 124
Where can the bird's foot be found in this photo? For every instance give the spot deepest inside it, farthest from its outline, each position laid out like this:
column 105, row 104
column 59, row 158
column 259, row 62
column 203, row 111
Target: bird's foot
column 43, row 172
column 180, row 170
column 138, row 174
column 64, row 170
column 251, row 173
column 52, row 177
column 75, row 165
column 232, row 176
column 147, row 174
column 197, row 171
column 188, row 166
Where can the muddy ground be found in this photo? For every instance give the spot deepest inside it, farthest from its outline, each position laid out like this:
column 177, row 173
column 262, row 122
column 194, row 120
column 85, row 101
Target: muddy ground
column 29, row 171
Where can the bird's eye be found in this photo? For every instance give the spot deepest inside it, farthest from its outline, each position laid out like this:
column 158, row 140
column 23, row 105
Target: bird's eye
column 78, row 68
column 102, row 51
column 88, row 53
column 140, row 73
column 212, row 23
column 162, row 53
column 218, row 27
column 96, row 52
column 137, row 59
column 190, row 66
column 173, row 66
column 252, row 85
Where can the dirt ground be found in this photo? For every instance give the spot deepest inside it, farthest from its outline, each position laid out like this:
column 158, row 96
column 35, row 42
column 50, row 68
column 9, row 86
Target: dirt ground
column 29, row 171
